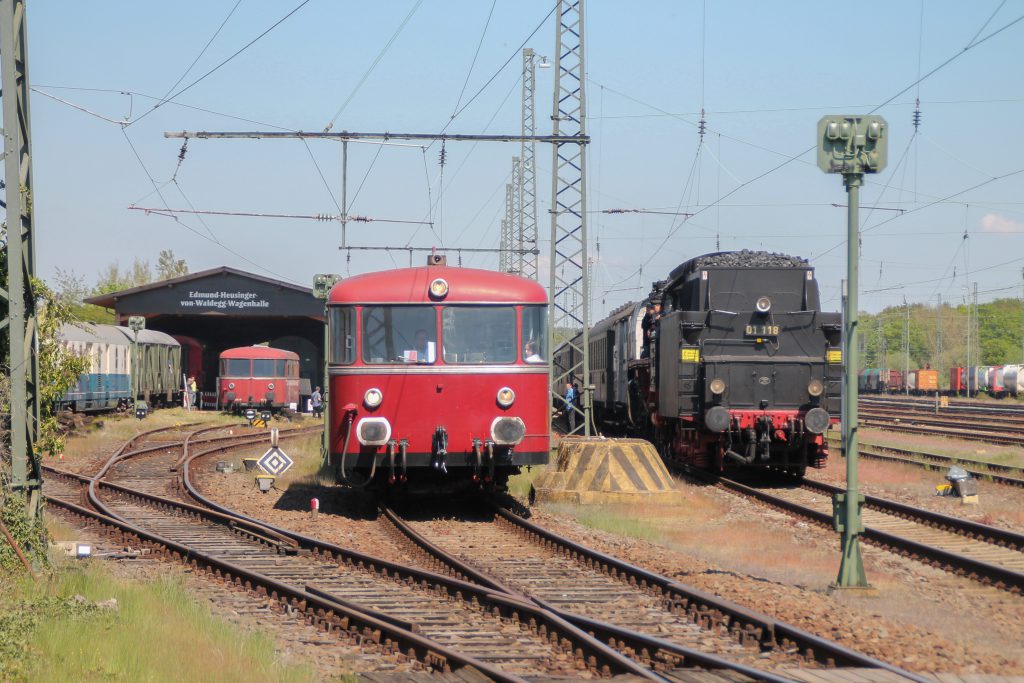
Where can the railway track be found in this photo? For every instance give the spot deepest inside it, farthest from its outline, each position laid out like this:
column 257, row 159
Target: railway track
column 901, row 421
column 979, row 469
column 962, row 406
column 612, row 598
column 735, row 628
column 980, row 552
column 441, row 622
column 473, row 624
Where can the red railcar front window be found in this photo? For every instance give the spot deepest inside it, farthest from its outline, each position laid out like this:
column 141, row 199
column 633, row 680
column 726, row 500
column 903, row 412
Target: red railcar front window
column 235, row 367
column 479, row 334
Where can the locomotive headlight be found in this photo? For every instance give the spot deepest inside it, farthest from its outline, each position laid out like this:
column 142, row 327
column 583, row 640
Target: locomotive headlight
column 439, row 288
column 373, row 397
column 270, row 386
column 815, row 387
column 506, row 397
column 717, row 386
column 231, row 385
column 763, row 305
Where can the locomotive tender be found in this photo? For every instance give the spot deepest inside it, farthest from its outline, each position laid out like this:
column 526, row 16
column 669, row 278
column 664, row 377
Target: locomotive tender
column 437, row 376
column 741, row 370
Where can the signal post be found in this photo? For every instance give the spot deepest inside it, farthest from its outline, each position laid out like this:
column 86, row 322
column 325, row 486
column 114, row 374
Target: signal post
column 851, row 146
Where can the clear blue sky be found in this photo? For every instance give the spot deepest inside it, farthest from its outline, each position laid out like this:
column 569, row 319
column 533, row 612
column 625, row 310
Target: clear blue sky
column 764, row 72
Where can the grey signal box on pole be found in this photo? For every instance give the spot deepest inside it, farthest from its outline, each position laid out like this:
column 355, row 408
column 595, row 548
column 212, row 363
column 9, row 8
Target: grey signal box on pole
column 852, row 144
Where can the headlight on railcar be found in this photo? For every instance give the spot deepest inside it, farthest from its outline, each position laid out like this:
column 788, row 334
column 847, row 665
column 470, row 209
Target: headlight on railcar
column 506, row 397
column 717, row 386
column 717, row 419
column 373, row 431
column 815, row 387
column 373, row 397
column 508, row 431
column 231, row 385
column 816, row 420
column 763, row 305
column 270, row 386
column 439, row 288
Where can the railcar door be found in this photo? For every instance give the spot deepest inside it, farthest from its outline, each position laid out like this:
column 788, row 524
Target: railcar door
column 611, row 354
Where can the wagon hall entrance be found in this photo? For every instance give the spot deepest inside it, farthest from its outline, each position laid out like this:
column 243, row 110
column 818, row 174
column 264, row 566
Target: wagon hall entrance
column 222, row 308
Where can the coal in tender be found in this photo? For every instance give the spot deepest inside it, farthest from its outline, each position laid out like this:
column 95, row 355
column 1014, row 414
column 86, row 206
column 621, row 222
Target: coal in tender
column 747, row 258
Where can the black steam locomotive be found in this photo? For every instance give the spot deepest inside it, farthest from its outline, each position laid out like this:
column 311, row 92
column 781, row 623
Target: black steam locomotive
column 738, row 369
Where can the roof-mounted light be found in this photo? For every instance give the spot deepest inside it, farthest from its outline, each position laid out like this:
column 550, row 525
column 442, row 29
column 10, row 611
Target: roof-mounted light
column 438, row 288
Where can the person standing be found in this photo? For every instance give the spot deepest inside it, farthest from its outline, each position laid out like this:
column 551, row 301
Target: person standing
column 570, row 406
column 192, row 393
column 316, row 402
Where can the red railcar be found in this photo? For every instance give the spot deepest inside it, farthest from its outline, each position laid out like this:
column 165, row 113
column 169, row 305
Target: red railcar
column 438, row 376
column 258, row 377
column 192, row 359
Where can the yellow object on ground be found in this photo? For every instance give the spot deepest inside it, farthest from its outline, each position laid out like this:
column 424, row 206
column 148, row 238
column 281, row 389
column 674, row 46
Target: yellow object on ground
column 591, row 470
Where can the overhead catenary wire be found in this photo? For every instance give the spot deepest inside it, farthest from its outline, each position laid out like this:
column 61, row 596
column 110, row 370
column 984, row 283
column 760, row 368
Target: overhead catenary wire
column 201, row 53
column 476, row 54
column 970, row 46
column 352, row 218
column 221, row 64
column 185, row 225
column 373, row 65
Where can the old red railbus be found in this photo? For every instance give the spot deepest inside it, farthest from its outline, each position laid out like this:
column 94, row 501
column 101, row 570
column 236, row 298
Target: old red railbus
column 258, row 377
column 438, row 376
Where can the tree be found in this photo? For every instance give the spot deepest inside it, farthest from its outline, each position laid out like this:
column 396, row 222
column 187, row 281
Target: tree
column 168, row 267
column 113, row 279
column 71, row 291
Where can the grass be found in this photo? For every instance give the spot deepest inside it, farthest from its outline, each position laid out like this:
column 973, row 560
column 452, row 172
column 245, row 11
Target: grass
column 108, row 431
column 157, row 633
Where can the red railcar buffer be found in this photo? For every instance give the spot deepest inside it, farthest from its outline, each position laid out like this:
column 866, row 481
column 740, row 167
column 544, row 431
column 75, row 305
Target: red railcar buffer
column 852, row 146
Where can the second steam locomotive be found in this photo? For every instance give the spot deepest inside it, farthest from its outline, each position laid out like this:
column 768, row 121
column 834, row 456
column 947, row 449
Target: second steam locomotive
column 730, row 363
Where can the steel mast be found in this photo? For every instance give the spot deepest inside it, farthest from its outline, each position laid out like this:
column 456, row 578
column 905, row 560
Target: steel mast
column 568, row 256
column 526, row 235
column 20, row 325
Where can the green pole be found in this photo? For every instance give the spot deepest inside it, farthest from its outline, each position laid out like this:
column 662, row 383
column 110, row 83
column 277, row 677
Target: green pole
column 851, row 566
column 135, row 368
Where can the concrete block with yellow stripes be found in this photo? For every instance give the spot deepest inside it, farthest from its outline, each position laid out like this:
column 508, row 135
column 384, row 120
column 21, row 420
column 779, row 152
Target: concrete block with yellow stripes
column 591, row 470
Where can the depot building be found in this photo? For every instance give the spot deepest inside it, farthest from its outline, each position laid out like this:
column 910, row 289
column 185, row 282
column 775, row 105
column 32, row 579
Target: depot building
column 223, row 308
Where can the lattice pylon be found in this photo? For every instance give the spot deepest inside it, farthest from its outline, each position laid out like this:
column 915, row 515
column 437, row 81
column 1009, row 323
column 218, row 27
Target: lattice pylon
column 569, row 286
column 20, row 326
column 526, row 238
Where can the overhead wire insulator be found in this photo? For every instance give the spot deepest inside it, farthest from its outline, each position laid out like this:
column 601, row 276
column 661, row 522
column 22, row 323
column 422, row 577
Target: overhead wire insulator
column 442, row 156
column 917, row 114
column 181, row 152
column 702, row 124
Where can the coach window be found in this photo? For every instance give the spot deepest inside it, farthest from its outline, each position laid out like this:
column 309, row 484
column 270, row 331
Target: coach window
column 263, row 367
column 535, row 334
column 342, row 321
column 399, row 334
column 479, row 334
column 234, row 367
